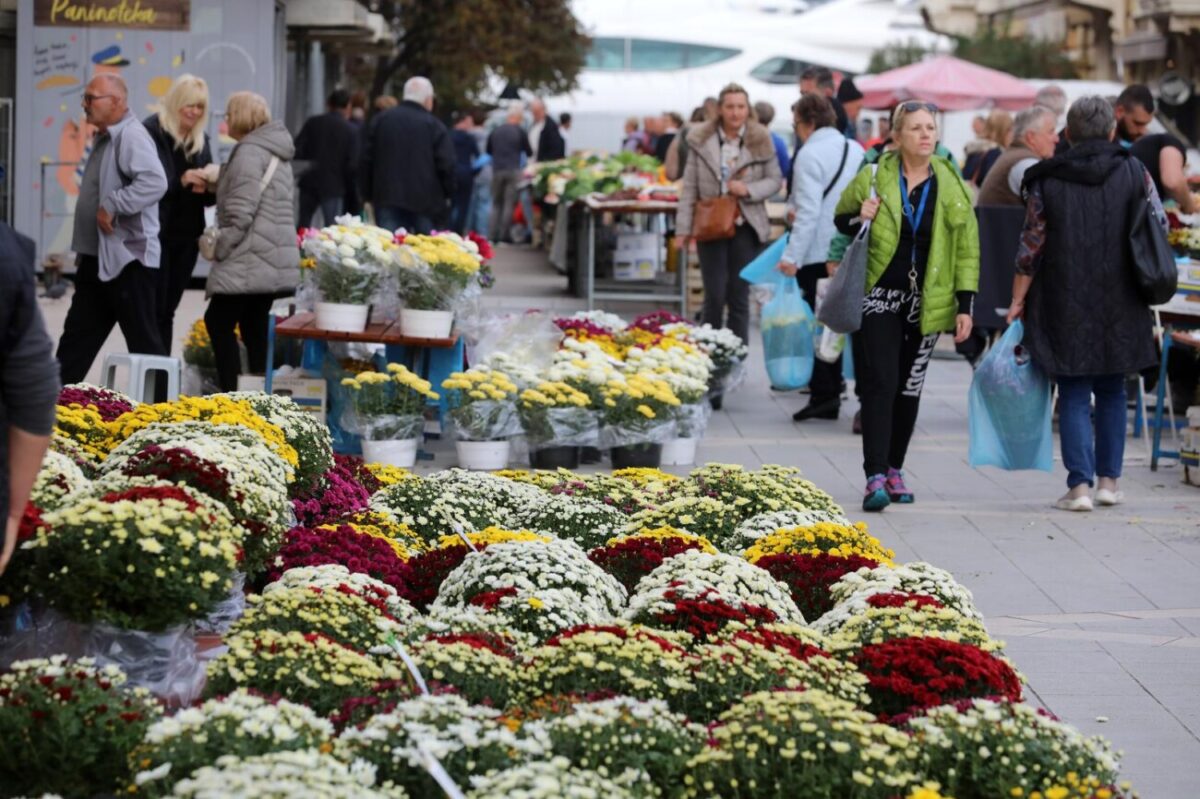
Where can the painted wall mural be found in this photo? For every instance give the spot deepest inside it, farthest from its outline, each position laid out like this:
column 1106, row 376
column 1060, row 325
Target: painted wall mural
column 63, row 43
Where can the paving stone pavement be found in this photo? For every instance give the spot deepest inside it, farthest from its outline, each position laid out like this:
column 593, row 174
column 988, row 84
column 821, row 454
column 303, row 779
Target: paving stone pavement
column 1101, row 611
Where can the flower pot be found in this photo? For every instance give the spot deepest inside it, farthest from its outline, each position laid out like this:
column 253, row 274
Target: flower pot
column 555, row 458
column 425, row 324
column 342, row 316
column 394, row 452
column 589, row 455
column 484, row 456
column 679, row 452
column 630, row 456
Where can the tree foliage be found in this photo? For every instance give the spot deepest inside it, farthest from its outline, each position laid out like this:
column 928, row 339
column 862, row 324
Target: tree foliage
column 461, row 44
column 992, row 46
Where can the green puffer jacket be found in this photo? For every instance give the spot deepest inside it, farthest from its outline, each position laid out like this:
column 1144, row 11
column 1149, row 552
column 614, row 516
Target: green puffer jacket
column 837, row 247
column 954, row 253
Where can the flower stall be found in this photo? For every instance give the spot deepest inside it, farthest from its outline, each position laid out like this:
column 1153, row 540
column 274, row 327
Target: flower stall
column 724, row 633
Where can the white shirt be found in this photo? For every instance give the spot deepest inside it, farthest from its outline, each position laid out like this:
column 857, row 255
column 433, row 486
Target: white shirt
column 535, row 135
column 1017, row 174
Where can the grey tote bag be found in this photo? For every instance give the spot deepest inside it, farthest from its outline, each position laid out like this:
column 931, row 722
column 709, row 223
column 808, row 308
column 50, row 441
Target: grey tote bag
column 841, row 310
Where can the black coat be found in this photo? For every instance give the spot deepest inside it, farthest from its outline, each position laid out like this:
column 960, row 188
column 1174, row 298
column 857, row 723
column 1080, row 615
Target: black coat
column 1084, row 315
column 408, row 161
column 181, row 210
column 28, row 371
column 329, row 142
column 551, row 146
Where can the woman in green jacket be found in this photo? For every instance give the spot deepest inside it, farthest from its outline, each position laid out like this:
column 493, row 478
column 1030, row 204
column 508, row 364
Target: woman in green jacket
column 922, row 276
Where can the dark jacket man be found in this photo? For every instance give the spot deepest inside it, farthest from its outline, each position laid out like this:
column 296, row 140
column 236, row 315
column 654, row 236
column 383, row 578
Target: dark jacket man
column 408, row 162
column 329, row 143
column 551, row 146
column 28, row 382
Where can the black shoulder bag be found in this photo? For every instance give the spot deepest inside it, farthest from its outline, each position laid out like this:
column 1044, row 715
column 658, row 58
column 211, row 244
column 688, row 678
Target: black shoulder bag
column 1153, row 260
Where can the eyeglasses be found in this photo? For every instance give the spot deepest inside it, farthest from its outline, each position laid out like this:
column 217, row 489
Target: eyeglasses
column 88, row 99
column 917, row 105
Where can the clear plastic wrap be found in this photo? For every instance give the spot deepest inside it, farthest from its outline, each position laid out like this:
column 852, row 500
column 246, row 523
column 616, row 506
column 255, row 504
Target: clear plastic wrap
column 383, row 427
column 345, row 280
column 197, row 381
column 728, row 381
column 164, row 663
column 531, row 339
column 560, row 427
column 484, row 420
column 229, row 610
column 653, row 431
column 385, row 301
column 692, row 420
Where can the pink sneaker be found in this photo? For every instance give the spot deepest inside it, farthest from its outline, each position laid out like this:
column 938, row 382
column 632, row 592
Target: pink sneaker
column 896, row 490
column 875, row 498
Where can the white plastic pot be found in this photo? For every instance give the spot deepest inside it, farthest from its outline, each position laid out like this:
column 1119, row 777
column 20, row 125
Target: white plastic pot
column 396, row 452
column 482, row 456
column 426, row 324
column 342, row 316
column 679, row 452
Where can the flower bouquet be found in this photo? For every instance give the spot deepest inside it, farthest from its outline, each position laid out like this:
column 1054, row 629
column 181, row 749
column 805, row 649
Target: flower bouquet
column 637, row 419
column 284, row 775
column 484, row 415
column 199, row 360
column 436, row 273
column 388, row 410
column 557, row 421
column 349, row 262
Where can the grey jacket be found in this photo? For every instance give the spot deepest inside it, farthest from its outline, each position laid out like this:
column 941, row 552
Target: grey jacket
column 256, row 241
column 757, row 166
column 814, row 170
column 132, row 182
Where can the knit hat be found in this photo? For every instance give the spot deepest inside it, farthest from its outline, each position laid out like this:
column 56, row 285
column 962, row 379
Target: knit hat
column 847, row 92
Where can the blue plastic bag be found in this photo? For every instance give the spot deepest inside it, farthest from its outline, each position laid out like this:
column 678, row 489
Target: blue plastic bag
column 763, row 269
column 1009, row 409
column 787, row 330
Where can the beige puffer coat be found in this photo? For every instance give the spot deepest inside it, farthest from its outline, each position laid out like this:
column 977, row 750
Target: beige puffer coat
column 757, row 167
column 256, row 243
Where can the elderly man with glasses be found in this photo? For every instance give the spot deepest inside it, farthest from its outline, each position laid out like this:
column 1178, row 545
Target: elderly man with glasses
column 115, row 237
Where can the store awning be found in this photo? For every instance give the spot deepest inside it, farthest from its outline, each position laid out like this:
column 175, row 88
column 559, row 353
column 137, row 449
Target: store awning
column 949, row 83
column 338, row 21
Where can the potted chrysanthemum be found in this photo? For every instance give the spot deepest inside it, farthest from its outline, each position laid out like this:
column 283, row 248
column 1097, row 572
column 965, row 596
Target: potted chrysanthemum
column 483, row 416
column 435, row 272
column 557, row 421
column 349, row 259
column 637, row 419
column 387, row 409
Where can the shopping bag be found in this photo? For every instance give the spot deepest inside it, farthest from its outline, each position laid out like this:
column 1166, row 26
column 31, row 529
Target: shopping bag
column 763, row 270
column 1008, row 410
column 841, row 310
column 787, row 330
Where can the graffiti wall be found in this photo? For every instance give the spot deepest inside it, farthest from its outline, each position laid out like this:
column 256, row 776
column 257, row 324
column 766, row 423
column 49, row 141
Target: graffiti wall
column 62, row 43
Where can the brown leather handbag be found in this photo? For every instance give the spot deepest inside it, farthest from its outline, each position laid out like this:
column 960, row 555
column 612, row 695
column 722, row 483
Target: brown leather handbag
column 715, row 218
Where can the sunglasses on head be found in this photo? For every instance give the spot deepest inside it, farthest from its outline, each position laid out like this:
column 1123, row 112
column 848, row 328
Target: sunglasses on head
column 917, row 105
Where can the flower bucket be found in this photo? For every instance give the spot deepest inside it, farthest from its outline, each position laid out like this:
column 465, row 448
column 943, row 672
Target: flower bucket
column 590, row 455
column 555, row 458
column 483, row 456
column 679, row 452
column 631, row 456
column 425, row 324
column 342, row 316
column 396, row 452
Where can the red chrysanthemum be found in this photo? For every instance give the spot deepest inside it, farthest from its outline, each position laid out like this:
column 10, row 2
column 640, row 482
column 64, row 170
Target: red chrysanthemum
column 706, row 615
column 632, row 559
column 809, row 577
column 901, row 599
column 346, row 546
column 907, row 675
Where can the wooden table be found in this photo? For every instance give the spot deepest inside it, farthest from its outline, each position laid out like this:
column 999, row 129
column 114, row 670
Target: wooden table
column 659, row 209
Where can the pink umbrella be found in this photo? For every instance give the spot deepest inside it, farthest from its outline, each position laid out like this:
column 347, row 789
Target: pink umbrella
column 949, row 83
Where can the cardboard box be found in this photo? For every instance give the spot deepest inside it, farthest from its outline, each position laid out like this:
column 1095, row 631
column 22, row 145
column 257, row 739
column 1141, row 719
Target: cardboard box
column 307, row 392
column 637, row 257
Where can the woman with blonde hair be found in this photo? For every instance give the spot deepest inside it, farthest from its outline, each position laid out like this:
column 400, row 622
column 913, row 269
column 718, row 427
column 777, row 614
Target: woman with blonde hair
column 178, row 130
column 998, row 133
column 255, row 253
column 922, row 277
column 730, row 155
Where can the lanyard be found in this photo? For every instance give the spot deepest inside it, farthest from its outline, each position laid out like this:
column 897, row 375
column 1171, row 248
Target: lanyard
column 914, row 221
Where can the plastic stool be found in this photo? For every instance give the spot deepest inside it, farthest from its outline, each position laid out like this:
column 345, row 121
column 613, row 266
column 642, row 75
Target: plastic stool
column 140, row 369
